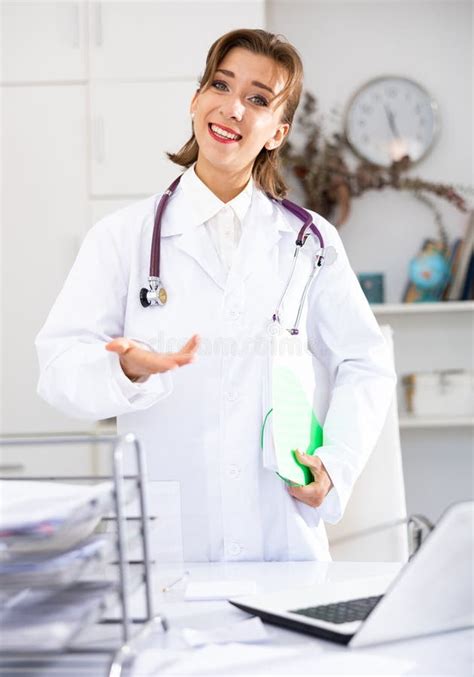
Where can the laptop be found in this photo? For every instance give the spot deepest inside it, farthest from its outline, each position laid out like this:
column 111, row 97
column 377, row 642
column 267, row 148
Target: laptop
column 432, row 593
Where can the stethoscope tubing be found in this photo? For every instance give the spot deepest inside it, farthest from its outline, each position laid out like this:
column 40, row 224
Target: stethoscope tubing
column 307, row 219
column 276, row 314
column 295, row 328
column 156, row 294
column 156, row 241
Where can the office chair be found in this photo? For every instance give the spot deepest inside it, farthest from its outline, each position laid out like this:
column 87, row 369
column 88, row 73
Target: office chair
column 375, row 523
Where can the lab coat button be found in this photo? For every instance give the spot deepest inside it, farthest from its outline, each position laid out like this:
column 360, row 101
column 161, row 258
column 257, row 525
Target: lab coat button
column 234, row 549
column 232, row 396
column 234, row 471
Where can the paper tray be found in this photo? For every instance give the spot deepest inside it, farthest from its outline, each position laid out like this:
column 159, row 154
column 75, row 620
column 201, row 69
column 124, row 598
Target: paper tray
column 50, row 623
column 64, row 514
column 44, row 570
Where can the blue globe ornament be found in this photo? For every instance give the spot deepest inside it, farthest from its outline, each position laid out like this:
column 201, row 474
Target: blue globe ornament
column 429, row 272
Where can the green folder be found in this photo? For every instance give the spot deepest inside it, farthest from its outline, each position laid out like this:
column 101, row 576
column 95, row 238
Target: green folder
column 294, row 425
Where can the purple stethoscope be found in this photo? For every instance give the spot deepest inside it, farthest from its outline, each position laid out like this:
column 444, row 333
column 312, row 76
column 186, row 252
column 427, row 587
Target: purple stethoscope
column 156, row 294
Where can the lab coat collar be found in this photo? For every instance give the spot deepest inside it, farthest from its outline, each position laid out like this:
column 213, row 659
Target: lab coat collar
column 266, row 222
column 205, row 204
column 180, row 214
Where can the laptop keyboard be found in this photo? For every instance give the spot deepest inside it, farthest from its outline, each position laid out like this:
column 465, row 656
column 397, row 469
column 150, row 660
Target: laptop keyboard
column 341, row 612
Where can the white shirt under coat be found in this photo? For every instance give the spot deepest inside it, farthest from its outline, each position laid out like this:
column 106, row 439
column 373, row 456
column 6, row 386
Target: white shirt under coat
column 223, row 221
column 200, row 425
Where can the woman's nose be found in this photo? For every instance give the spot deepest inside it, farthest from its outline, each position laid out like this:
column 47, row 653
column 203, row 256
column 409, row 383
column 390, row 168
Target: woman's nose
column 233, row 109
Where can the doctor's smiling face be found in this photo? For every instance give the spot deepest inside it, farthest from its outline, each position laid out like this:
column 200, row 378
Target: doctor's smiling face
column 235, row 116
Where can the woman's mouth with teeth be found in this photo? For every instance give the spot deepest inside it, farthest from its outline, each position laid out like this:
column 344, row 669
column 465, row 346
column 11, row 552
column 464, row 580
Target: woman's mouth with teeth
column 222, row 134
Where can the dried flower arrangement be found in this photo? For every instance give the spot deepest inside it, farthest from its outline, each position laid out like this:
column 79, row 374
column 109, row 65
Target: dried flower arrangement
column 329, row 184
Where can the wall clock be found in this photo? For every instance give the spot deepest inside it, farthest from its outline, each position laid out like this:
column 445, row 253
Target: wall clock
column 390, row 117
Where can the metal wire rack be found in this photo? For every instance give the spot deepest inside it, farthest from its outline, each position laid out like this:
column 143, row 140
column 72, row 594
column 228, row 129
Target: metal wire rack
column 121, row 655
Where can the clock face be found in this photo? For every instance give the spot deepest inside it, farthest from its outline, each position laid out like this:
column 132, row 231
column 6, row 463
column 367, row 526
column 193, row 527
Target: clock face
column 390, row 117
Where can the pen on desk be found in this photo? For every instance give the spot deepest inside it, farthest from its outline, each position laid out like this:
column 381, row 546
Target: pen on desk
column 183, row 577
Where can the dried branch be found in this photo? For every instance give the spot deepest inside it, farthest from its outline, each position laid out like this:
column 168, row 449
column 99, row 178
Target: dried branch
column 329, row 184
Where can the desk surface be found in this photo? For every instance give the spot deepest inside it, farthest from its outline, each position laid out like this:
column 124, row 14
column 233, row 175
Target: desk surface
column 294, row 653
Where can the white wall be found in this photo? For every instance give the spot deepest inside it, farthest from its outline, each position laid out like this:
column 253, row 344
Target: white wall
column 343, row 44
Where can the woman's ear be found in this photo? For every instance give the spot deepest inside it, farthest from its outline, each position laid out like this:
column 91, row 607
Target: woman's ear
column 277, row 138
column 192, row 107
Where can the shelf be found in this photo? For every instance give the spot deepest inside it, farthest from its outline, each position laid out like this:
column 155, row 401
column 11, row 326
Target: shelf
column 411, row 308
column 440, row 422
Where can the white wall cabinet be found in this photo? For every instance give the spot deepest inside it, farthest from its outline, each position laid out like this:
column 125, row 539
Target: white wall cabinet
column 145, row 60
column 44, row 211
column 44, row 214
column 102, row 208
column 438, row 453
column 48, row 461
column 93, row 93
column 43, row 41
column 132, row 126
column 147, row 40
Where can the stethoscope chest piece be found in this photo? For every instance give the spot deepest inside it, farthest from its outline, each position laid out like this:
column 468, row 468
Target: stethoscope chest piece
column 156, row 295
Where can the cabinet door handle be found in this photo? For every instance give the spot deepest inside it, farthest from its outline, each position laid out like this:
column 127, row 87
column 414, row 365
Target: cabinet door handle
column 99, row 140
column 76, row 25
column 98, row 33
column 11, row 467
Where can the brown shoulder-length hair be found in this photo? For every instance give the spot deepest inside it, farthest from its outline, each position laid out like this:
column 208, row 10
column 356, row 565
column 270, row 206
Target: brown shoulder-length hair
column 266, row 168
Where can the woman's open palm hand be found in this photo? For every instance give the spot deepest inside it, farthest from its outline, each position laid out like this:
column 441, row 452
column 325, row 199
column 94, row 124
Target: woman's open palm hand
column 137, row 362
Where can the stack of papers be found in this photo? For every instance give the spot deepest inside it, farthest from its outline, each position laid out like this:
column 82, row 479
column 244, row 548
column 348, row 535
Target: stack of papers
column 44, row 570
column 46, row 546
column 33, row 621
column 49, row 515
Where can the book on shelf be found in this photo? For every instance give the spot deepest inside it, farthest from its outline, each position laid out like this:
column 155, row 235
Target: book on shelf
column 468, row 289
column 454, row 254
column 461, row 264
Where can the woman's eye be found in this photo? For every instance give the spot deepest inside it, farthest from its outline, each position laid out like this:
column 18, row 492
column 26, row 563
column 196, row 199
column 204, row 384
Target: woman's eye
column 261, row 100
column 217, row 84
column 222, row 86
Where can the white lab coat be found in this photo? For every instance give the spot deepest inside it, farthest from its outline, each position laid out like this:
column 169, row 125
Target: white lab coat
column 201, row 424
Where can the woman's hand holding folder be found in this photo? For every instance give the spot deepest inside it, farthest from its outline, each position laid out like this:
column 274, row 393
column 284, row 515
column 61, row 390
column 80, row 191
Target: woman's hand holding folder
column 314, row 493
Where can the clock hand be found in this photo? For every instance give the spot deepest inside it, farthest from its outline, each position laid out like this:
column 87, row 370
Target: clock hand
column 391, row 122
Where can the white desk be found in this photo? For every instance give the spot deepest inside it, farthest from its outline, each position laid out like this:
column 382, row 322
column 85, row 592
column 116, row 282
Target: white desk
column 450, row 653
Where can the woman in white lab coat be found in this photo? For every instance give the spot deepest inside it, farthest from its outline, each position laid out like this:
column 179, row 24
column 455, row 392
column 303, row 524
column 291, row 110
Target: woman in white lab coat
column 226, row 250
